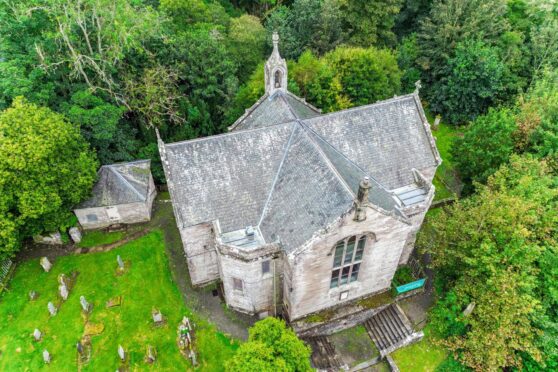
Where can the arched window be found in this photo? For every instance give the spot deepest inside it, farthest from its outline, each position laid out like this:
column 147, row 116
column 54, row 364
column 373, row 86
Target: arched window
column 277, row 79
column 346, row 260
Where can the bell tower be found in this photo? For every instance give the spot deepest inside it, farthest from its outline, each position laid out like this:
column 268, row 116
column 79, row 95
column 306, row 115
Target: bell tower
column 275, row 69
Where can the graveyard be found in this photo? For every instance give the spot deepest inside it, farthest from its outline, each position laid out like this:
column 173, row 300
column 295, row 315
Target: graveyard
column 120, row 310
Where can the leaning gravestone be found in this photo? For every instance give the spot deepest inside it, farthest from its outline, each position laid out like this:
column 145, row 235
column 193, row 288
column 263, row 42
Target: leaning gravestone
column 32, row 295
column 79, row 348
column 75, row 234
column 37, row 335
column 51, row 309
column 46, row 356
column 121, row 353
column 120, row 262
column 85, row 306
column 63, row 291
column 151, row 354
column 45, row 263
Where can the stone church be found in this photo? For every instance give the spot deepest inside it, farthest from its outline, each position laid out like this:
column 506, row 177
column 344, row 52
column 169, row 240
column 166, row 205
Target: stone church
column 296, row 211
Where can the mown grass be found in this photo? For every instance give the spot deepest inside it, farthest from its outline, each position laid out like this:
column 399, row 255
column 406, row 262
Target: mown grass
column 445, row 135
column 423, row 356
column 95, row 238
column 147, row 283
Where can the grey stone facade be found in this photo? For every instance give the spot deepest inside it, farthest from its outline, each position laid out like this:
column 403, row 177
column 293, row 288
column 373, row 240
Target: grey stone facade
column 263, row 207
column 124, row 193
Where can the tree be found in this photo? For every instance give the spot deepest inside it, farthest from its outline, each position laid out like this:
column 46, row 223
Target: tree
column 474, row 83
column 369, row 23
column 247, row 39
column 366, row 75
column 271, row 347
column 45, row 169
column 307, row 24
column 487, row 143
column 492, row 250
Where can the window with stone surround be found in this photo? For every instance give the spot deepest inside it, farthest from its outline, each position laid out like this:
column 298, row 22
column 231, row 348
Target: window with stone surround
column 238, row 285
column 347, row 257
column 266, row 267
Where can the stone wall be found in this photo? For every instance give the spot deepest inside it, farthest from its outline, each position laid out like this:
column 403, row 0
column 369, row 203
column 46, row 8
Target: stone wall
column 309, row 274
column 200, row 252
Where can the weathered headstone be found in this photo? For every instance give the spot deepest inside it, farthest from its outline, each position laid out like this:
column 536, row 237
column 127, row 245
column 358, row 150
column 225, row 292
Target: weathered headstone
column 151, row 356
column 46, row 356
column 121, row 353
column 85, row 306
column 437, row 121
column 63, row 291
column 45, row 263
column 62, row 280
column 54, row 238
column 32, row 295
column 75, row 234
column 51, row 309
column 120, row 262
column 157, row 317
column 418, row 85
column 469, row 309
column 79, row 348
column 37, row 334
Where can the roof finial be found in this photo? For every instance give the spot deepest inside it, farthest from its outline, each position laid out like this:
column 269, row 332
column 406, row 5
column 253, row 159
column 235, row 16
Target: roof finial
column 275, row 39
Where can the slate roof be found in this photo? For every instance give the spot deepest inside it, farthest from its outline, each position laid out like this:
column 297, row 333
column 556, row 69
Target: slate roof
column 121, row 183
column 280, row 107
column 291, row 179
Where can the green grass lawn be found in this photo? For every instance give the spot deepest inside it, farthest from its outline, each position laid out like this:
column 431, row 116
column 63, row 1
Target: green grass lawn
column 445, row 135
column 95, row 238
column 423, row 356
column 146, row 284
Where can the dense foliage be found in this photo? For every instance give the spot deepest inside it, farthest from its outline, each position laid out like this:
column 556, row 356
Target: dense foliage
column 495, row 250
column 271, row 347
column 45, row 168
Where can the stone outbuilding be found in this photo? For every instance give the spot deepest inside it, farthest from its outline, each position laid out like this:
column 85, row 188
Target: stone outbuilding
column 123, row 194
column 298, row 211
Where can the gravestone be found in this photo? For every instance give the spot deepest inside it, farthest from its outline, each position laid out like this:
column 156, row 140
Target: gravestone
column 79, row 348
column 151, row 356
column 62, row 280
column 54, row 238
column 121, row 353
column 32, row 295
column 51, row 309
column 85, row 306
column 37, row 334
column 63, row 291
column 437, row 121
column 120, row 262
column 157, row 317
column 469, row 309
column 46, row 356
column 75, row 234
column 45, row 263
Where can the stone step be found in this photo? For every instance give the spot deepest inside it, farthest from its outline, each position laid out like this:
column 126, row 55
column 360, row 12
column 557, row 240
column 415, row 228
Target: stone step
column 323, row 356
column 389, row 329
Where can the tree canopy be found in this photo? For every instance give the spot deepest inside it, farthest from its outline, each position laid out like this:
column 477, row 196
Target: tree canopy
column 271, row 347
column 46, row 167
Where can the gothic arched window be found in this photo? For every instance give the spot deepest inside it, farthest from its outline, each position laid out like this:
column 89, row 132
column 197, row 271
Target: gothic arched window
column 277, row 79
column 346, row 260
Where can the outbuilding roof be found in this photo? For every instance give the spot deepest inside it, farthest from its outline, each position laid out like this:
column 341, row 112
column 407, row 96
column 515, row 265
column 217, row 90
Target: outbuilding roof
column 121, row 183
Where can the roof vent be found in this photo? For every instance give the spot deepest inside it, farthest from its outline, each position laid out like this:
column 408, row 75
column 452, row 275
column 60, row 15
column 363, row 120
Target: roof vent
column 249, row 231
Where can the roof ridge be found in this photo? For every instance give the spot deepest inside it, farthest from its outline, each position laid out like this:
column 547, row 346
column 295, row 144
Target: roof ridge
column 282, row 96
column 328, row 161
column 207, row 138
column 357, row 108
column 248, row 111
column 120, row 176
column 379, row 184
column 272, row 188
column 304, row 102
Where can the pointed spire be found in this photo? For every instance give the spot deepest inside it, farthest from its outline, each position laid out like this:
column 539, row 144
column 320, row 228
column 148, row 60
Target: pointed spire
column 275, row 69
